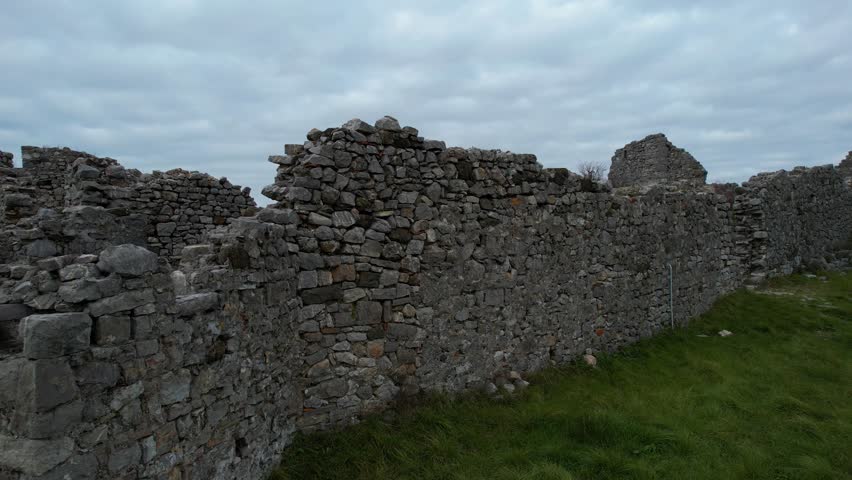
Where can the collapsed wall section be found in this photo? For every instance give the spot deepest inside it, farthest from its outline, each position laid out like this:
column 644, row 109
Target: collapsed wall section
column 138, row 371
column 177, row 206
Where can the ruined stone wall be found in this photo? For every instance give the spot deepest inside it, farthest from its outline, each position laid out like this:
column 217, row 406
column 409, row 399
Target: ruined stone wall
column 179, row 206
column 804, row 215
column 654, row 160
column 845, row 169
column 182, row 206
column 128, row 375
column 6, row 159
column 391, row 265
column 48, row 171
column 16, row 191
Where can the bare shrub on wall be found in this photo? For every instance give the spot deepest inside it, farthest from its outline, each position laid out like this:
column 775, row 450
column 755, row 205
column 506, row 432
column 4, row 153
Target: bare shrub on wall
column 592, row 174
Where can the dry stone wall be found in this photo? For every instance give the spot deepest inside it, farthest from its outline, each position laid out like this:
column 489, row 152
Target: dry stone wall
column 6, row 159
column 845, row 169
column 178, row 206
column 391, row 265
column 805, row 216
column 655, row 160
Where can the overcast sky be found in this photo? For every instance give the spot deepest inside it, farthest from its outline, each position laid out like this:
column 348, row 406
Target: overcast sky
column 217, row 86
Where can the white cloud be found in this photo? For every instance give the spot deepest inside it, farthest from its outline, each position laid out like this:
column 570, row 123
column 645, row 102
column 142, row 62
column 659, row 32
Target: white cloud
column 219, row 85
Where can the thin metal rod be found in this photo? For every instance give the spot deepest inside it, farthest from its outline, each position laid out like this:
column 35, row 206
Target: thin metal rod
column 671, row 294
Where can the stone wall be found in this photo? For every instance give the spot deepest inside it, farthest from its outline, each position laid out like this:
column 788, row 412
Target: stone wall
column 654, row 160
column 182, row 206
column 48, row 172
column 390, row 265
column 179, row 206
column 805, row 215
column 845, row 169
column 6, row 159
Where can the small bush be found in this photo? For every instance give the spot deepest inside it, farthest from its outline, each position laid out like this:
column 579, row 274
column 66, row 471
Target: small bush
column 592, row 174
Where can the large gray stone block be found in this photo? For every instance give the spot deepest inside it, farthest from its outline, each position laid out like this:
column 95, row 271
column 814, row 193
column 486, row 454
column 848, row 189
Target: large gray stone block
column 112, row 329
column 55, row 334
column 49, row 424
column 45, row 384
column 121, row 302
column 34, row 457
column 129, row 260
column 78, row 467
column 187, row 305
column 10, row 371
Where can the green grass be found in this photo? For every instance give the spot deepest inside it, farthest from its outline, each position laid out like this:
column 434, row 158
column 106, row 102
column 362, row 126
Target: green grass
column 773, row 401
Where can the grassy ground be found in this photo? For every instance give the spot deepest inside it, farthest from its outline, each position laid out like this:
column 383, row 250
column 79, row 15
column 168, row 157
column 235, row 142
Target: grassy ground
column 772, row 401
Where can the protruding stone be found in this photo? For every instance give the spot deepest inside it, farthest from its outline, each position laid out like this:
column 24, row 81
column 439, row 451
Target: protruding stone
column 317, row 219
column 129, row 260
column 187, row 305
column 388, row 123
column 121, row 302
column 358, row 125
column 278, row 216
column 434, row 145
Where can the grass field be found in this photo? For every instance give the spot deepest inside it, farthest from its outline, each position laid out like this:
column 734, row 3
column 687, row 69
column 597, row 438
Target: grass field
column 773, row 401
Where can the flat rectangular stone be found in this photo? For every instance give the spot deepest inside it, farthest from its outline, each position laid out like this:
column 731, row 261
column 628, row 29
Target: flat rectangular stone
column 55, row 334
column 123, row 301
column 325, row 294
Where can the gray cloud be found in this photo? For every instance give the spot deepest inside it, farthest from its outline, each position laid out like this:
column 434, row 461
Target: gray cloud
column 746, row 86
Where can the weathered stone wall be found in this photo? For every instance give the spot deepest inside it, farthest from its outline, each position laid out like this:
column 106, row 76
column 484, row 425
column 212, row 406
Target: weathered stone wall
column 137, row 378
column 6, row 159
column 48, row 171
column 179, row 206
column 391, row 265
column 845, row 169
column 182, row 206
column 654, row 160
column 804, row 215
column 16, row 191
